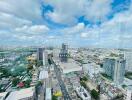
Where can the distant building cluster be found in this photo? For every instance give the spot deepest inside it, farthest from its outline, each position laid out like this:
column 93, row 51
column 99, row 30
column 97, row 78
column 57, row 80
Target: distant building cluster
column 67, row 74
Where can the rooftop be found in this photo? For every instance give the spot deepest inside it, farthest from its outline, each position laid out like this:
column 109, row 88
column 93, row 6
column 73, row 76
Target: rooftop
column 48, row 94
column 2, row 95
column 70, row 66
column 23, row 93
column 43, row 74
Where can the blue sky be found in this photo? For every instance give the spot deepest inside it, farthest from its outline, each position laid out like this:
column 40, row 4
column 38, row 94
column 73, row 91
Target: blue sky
column 80, row 23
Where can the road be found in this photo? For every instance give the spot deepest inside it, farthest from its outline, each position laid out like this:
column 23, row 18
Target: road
column 61, row 83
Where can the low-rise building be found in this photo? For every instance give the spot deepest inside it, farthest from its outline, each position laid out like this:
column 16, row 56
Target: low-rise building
column 70, row 66
column 82, row 93
column 23, row 94
column 43, row 75
column 128, row 95
column 3, row 95
column 111, row 90
column 91, row 69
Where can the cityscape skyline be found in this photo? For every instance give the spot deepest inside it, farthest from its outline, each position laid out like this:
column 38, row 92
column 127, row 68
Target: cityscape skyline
column 65, row 73
column 86, row 23
column 65, row 50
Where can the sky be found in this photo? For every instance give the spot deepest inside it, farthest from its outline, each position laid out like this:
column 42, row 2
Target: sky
column 79, row 23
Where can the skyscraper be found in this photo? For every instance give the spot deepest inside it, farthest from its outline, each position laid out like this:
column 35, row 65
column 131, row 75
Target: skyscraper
column 40, row 53
column 42, row 56
column 63, row 55
column 45, row 58
column 115, row 68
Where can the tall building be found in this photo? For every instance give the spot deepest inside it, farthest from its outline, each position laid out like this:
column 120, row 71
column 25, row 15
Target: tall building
column 115, row 68
column 45, row 58
column 40, row 54
column 63, row 55
column 128, row 57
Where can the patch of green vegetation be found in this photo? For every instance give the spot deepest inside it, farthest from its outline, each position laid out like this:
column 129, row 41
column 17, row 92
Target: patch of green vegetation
column 113, row 55
column 54, row 97
column 124, row 86
column 84, row 78
column 106, row 76
column 95, row 94
column 38, row 83
column 1, row 88
column 27, row 83
column 128, row 75
column 81, row 61
column 83, row 84
column 18, row 71
column 119, row 97
column 101, row 65
column 49, row 61
column 4, row 72
column 15, row 81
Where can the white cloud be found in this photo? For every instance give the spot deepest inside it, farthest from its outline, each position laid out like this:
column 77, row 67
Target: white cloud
column 98, row 10
column 24, row 21
column 34, row 29
column 11, row 21
column 74, row 29
column 67, row 11
column 21, row 21
column 80, row 30
column 116, row 32
column 51, row 37
column 22, row 37
column 121, row 24
column 38, row 29
column 118, row 29
column 90, row 35
column 26, row 9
